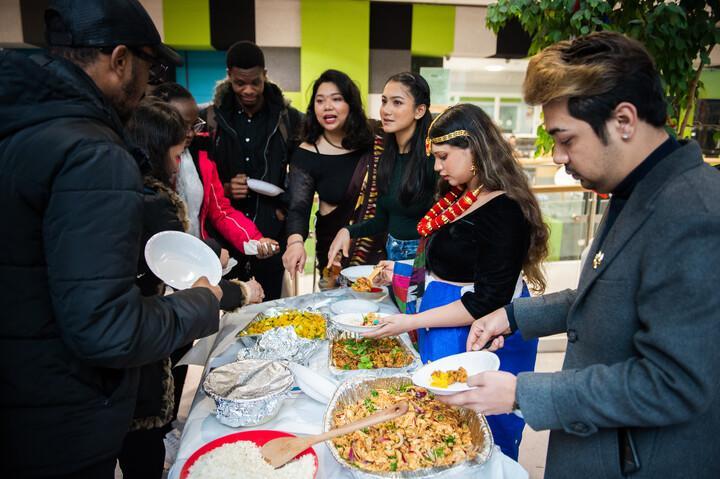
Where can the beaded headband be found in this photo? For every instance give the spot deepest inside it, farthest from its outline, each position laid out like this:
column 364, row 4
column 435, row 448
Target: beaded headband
column 441, row 139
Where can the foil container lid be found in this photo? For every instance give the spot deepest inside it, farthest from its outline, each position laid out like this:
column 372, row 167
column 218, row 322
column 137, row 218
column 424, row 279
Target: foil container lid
column 248, row 380
column 358, row 388
column 280, row 344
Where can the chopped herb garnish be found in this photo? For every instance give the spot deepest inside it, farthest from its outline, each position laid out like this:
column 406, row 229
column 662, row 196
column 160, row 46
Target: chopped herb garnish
column 450, row 440
column 365, row 430
column 369, row 405
column 393, row 466
column 440, row 452
column 374, row 393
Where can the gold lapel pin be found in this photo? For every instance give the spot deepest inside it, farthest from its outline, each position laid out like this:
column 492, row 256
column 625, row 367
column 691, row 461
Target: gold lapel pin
column 598, row 259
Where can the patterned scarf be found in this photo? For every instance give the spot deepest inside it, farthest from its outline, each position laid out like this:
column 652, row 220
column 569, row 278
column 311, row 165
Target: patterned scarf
column 408, row 282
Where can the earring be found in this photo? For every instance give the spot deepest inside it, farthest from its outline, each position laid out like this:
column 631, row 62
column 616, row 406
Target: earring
column 625, row 136
column 473, row 169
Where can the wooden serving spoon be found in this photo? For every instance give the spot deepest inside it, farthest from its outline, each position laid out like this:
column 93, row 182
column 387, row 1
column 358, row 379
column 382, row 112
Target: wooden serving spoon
column 282, row 450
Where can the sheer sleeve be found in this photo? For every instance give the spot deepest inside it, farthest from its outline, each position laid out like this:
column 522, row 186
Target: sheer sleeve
column 302, row 190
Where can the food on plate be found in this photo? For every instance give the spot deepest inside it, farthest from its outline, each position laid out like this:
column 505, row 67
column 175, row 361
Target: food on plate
column 369, row 353
column 242, row 460
column 370, row 319
column 330, row 274
column 444, row 379
column 431, row 434
column 307, row 324
column 362, row 285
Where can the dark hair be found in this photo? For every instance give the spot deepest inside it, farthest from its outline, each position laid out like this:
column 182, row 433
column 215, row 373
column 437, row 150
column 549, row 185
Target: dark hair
column 244, row 54
column 170, row 91
column 415, row 181
column 80, row 56
column 497, row 169
column 155, row 127
column 357, row 130
column 595, row 73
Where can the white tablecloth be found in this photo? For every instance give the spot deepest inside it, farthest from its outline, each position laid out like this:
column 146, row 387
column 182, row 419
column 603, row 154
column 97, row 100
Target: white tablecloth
column 299, row 414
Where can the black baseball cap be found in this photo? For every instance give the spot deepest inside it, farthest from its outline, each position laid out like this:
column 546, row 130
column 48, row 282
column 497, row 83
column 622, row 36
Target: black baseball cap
column 105, row 23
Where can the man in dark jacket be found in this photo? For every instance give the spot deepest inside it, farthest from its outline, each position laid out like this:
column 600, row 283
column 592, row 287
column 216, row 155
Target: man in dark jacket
column 74, row 326
column 254, row 131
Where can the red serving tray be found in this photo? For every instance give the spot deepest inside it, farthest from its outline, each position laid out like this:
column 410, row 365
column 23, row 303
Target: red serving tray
column 259, row 437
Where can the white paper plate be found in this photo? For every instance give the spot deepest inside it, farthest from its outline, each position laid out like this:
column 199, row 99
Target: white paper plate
column 354, row 306
column 179, row 259
column 354, row 272
column 263, row 187
column 474, row 362
column 315, row 385
column 353, row 322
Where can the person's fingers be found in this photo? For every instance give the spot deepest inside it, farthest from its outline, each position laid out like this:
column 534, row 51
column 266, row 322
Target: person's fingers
column 346, row 249
column 459, row 399
column 481, row 339
column 476, row 380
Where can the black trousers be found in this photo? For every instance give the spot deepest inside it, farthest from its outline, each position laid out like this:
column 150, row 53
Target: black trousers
column 143, row 454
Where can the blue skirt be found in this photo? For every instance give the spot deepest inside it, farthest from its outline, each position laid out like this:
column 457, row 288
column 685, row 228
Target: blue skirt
column 516, row 356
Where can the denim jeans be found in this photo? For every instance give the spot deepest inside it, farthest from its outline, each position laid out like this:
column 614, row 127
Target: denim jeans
column 398, row 250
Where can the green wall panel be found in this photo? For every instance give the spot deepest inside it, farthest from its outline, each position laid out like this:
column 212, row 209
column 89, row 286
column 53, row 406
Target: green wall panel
column 335, row 34
column 433, row 30
column 187, row 24
column 711, row 84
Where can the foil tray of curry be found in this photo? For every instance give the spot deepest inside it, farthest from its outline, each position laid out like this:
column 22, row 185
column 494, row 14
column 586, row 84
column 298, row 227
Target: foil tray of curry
column 432, row 440
column 308, row 323
column 351, row 355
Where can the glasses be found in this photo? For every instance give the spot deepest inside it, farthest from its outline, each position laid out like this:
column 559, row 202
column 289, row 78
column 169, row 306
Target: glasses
column 157, row 68
column 198, row 126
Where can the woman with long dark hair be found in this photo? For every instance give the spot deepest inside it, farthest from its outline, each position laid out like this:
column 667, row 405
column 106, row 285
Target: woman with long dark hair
column 406, row 180
column 479, row 240
column 158, row 130
column 333, row 161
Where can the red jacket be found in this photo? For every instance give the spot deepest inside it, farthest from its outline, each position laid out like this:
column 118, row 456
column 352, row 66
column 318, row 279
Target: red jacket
column 232, row 224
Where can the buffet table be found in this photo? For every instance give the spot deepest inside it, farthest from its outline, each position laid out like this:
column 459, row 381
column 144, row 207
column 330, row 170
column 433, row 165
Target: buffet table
column 299, row 414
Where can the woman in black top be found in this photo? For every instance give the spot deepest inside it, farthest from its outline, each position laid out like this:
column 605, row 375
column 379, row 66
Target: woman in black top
column 480, row 240
column 332, row 161
column 406, row 181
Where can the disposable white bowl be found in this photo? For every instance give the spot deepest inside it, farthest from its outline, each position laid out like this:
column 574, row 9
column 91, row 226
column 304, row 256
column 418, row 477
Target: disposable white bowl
column 474, row 362
column 179, row 259
column 353, row 322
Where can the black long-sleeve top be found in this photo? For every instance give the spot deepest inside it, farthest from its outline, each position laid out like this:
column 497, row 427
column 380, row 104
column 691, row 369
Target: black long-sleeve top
column 312, row 171
column 487, row 247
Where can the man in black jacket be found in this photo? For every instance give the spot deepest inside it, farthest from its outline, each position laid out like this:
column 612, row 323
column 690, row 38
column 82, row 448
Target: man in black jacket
column 254, row 130
column 74, row 326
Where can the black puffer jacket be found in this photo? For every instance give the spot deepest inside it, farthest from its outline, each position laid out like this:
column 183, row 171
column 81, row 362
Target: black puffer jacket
column 74, row 327
column 284, row 136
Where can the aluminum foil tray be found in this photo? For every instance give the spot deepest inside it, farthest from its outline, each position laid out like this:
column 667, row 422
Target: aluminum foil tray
column 249, row 392
column 343, row 374
column 270, row 312
column 358, row 388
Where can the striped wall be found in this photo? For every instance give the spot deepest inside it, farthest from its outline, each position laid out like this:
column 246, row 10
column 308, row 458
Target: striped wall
column 369, row 40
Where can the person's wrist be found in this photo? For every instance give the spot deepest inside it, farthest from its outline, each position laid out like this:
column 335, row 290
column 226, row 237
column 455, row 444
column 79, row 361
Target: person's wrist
column 294, row 242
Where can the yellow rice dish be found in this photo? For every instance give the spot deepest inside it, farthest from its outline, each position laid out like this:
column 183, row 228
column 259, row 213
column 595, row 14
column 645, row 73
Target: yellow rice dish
column 431, row 434
column 307, row 325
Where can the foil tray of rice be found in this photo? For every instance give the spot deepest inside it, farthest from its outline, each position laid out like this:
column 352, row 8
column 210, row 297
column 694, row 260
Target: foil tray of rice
column 350, row 355
column 432, row 440
column 248, row 392
column 308, row 323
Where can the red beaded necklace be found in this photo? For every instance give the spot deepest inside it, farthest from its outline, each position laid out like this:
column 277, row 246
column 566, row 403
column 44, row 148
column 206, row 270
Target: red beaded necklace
column 447, row 210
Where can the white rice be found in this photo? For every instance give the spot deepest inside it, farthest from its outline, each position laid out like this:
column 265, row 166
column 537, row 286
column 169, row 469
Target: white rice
column 242, row 460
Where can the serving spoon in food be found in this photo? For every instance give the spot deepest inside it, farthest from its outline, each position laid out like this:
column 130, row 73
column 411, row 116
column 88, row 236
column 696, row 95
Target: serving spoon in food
column 282, row 450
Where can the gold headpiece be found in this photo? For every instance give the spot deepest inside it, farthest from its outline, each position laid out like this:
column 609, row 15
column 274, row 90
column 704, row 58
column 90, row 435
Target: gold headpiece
column 441, row 139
